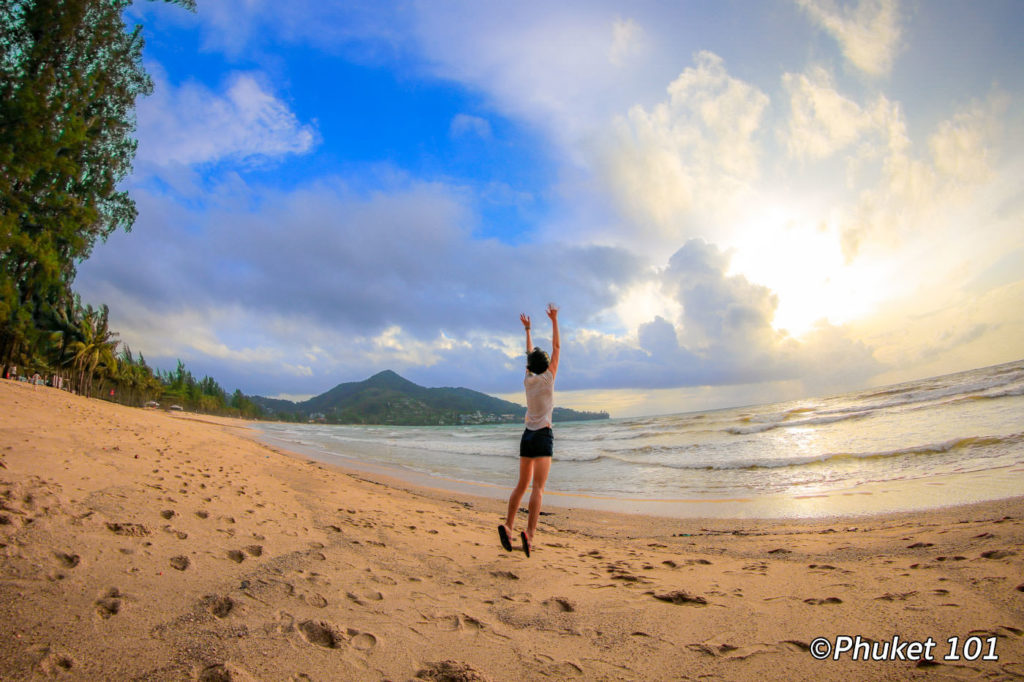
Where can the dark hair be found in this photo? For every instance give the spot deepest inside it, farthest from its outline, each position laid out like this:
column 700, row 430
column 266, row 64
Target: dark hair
column 537, row 361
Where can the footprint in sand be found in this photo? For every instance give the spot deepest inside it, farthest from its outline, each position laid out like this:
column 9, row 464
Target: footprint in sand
column 224, row 672
column 562, row 671
column 560, row 605
column 167, row 513
column 997, row 554
column 363, row 641
column 440, row 671
column 54, row 663
column 130, row 529
column 317, row 600
column 219, row 606
column 680, row 597
column 901, row 596
column 321, row 633
column 715, row 650
column 180, row 562
column 109, row 604
column 827, row 600
column 373, row 595
column 236, row 555
column 626, row 576
column 254, row 550
column 449, row 623
column 455, row 622
column 67, row 560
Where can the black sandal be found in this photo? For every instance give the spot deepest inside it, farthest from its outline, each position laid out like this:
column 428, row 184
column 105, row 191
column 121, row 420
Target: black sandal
column 503, row 535
column 526, row 544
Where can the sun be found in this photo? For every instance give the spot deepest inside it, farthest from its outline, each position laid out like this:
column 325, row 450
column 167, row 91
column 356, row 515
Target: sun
column 803, row 264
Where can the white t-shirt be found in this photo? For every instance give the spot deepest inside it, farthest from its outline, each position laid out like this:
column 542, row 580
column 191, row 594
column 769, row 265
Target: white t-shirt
column 540, row 399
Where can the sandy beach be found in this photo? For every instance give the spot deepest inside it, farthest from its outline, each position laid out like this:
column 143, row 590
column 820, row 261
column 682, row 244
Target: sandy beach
column 138, row 544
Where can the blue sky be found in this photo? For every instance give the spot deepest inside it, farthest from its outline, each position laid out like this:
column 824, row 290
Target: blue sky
column 733, row 202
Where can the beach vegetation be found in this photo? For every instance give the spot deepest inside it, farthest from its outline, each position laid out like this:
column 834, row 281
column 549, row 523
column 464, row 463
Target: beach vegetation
column 70, row 73
column 78, row 351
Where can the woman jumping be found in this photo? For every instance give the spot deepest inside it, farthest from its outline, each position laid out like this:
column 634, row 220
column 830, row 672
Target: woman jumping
column 537, row 443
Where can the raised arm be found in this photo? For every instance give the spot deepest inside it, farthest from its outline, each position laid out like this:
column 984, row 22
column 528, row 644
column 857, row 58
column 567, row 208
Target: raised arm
column 555, row 343
column 525, row 319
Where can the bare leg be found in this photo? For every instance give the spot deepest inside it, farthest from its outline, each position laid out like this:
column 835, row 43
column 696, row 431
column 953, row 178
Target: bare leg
column 540, row 478
column 525, row 474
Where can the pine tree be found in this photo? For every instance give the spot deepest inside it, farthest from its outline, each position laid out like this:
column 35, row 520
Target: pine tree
column 70, row 73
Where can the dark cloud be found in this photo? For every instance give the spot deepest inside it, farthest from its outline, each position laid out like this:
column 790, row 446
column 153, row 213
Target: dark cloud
column 323, row 261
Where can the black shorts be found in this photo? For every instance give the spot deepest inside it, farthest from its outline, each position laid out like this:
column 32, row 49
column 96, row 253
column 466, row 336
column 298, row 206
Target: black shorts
column 539, row 443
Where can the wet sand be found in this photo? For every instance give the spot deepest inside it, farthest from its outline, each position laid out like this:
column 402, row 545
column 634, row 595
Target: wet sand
column 137, row 544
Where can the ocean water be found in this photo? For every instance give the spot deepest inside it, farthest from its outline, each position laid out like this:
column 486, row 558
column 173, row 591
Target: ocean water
column 943, row 440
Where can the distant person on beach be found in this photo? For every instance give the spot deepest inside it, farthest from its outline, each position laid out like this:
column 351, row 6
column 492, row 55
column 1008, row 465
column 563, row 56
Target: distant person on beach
column 537, row 443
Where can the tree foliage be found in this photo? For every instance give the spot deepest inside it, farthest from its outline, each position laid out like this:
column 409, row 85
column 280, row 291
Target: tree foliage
column 81, row 353
column 70, row 73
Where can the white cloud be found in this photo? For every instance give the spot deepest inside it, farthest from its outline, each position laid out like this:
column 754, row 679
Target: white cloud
column 563, row 68
column 191, row 124
column 464, row 124
column 697, row 149
column 627, row 40
column 822, row 121
column 723, row 335
column 362, row 29
column 916, row 193
column 962, row 146
column 868, row 33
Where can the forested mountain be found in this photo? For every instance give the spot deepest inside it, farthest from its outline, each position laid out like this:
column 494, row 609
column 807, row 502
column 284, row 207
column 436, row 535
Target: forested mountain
column 387, row 398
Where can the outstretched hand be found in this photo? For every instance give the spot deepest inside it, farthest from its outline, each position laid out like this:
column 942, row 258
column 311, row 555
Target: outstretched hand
column 552, row 311
column 525, row 319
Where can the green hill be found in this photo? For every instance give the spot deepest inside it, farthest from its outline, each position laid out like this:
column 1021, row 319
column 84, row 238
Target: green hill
column 387, row 398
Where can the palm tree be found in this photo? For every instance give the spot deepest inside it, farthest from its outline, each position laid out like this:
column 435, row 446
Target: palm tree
column 134, row 378
column 95, row 348
column 64, row 324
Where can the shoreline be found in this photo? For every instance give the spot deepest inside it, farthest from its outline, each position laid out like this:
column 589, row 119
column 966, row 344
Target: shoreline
column 886, row 497
column 204, row 554
column 605, row 522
